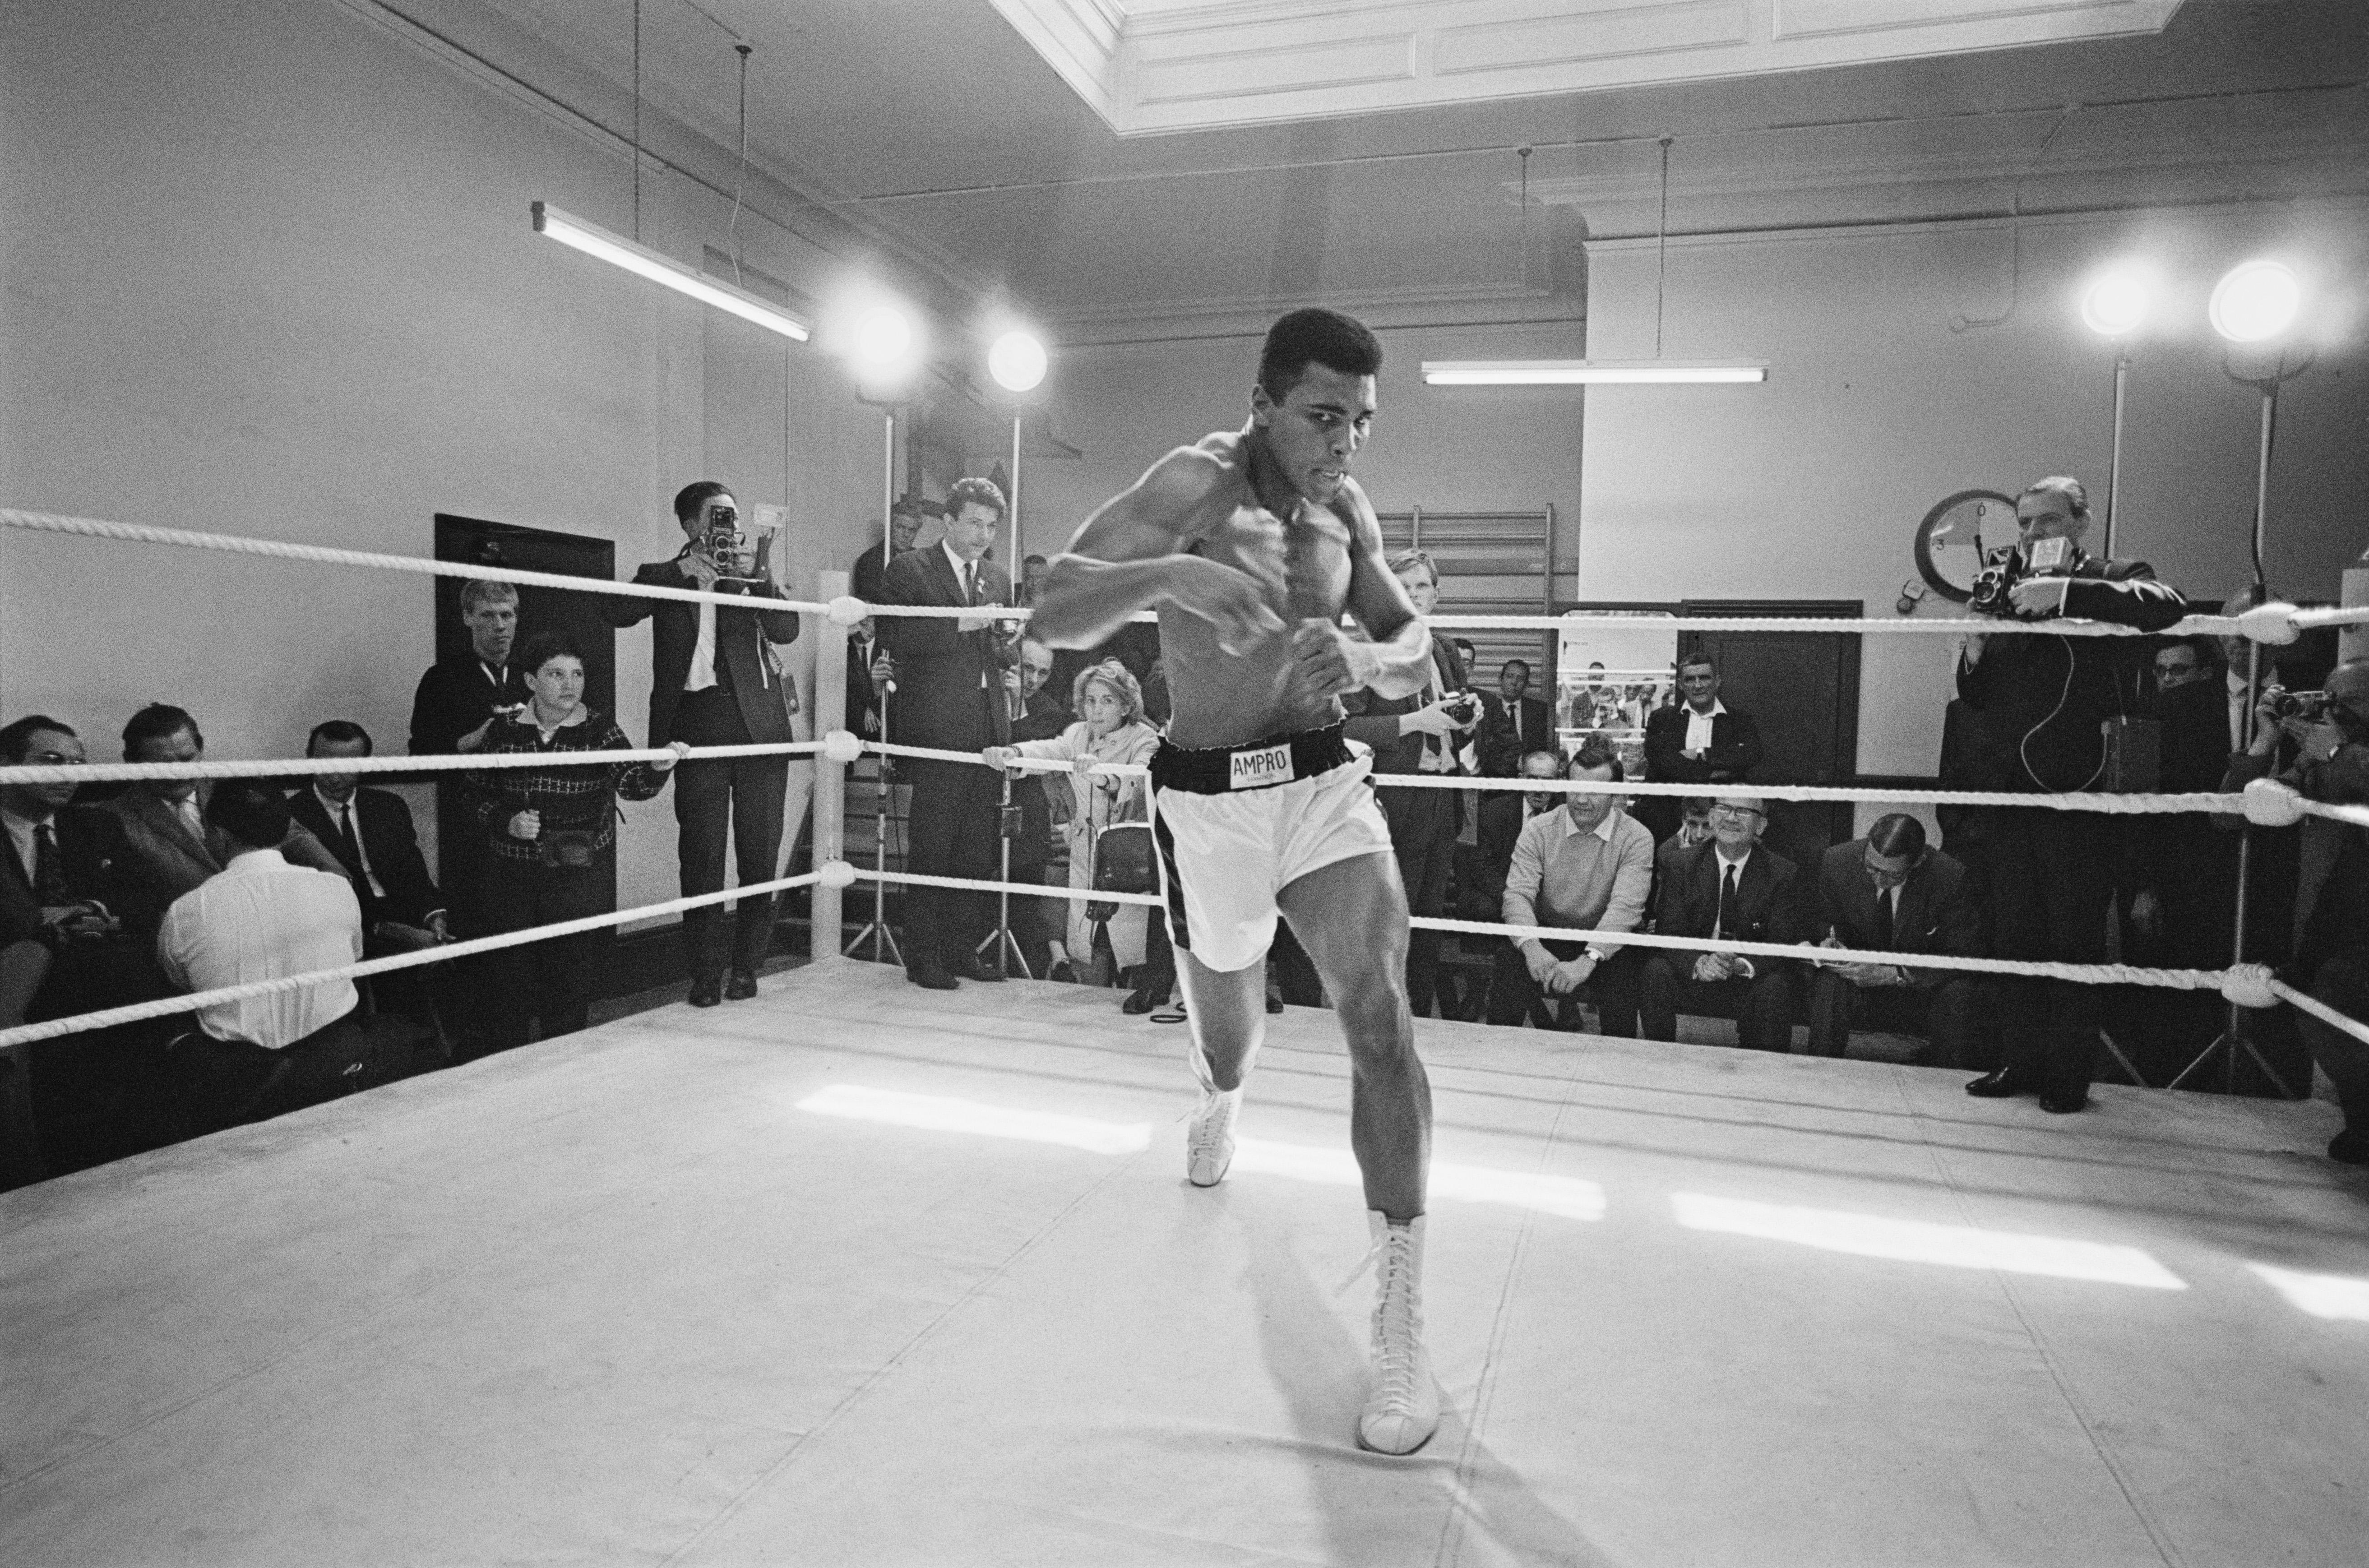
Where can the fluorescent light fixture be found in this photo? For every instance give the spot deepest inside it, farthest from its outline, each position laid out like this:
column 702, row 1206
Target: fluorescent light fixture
column 1567, row 1196
column 2117, row 300
column 1587, row 373
column 934, row 1113
column 1916, row 1240
column 2321, row 1295
column 619, row 251
column 1016, row 361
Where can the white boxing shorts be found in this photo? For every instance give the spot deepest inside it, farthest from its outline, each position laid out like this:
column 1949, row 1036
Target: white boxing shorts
column 1238, row 824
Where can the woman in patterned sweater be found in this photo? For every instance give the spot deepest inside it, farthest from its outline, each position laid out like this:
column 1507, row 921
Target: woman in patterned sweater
column 553, row 834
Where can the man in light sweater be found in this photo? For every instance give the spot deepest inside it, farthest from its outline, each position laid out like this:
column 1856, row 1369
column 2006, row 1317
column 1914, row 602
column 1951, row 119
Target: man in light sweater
column 1588, row 865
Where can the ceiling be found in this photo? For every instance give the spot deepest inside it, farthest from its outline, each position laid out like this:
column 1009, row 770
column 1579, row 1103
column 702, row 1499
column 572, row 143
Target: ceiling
column 1155, row 65
column 934, row 132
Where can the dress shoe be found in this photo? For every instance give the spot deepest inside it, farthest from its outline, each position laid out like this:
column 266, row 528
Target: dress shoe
column 971, row 966
column 742, row 986
column 2062, row 1103
column 1997, row 1084
column 1275, row 998
column 1139, row 1001
column 706, row 991
column 2351, row 1145
column 932, row 976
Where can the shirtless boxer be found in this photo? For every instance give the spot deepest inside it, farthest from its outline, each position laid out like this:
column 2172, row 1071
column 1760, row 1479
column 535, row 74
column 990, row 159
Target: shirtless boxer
column 1250, row 543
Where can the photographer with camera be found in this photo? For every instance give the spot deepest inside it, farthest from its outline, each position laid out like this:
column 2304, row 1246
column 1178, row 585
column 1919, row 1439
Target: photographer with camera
column 2318, row 742
column 1421, row 734
column 2045, row 703
column 715, row 681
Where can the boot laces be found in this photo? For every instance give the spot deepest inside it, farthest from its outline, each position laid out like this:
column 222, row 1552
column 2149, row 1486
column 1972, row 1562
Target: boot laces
column 1398, row 1316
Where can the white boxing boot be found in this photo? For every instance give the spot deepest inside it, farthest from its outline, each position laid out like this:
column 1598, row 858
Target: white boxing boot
column 1404, row 1408
column 1209, row 1136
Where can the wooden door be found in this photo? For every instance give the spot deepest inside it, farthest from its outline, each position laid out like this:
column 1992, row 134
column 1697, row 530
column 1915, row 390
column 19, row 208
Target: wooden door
column 1802, row 687
column 484, row 543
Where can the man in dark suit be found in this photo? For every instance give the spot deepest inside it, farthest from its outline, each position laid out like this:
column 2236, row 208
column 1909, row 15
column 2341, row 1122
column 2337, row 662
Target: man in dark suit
column 1728, row 888
column 1517, row 724
column 1420, row 734
column 904, row 531
column 870, row 673
column 1888, row 893
column 1698, row 739
column 715, row 681
column 451, row 710
column 1035, row 716
column 369, row 831
column 950, row 694
column 63, row 950
column 2044, row 702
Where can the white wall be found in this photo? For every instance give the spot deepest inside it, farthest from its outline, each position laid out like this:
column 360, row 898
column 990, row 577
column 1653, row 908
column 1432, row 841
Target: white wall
column 1442, row 449
column 266, row 269
column 1811, row 485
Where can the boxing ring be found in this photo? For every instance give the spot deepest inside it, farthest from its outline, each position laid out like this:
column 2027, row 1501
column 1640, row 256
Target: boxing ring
column 860, row 1273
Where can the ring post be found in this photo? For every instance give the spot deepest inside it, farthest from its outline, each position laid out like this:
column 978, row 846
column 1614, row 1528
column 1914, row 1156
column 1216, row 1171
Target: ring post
column 830, row 778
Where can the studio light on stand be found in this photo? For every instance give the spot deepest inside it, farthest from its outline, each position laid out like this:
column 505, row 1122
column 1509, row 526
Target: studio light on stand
column 2114, row 305
column 883, row 349
column 1015, row 362
column 2255, row 308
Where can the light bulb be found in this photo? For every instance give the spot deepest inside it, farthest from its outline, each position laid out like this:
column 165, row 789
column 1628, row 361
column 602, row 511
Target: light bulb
column 2256, row 301
column 1016, row 361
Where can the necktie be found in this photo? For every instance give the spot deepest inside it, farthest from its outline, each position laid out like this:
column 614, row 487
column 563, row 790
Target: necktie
column 1884, row 920
column 49, row 875
column 1726, row 900
column 970, row 583
column 353, row 845
column 193, row 819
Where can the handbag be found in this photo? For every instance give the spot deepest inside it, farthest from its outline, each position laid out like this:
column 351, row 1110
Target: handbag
column 1122, row 863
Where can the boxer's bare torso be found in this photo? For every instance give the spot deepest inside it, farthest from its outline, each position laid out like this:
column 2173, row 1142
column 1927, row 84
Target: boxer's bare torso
column 1251, row 574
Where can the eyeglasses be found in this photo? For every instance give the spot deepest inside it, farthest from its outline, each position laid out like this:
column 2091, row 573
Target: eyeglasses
column 53, row 760
column 1737, row 813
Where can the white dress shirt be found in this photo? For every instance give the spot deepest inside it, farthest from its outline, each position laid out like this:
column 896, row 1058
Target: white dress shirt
column 1739, row 863
column 965, row 583
column 1699, row 727
column 260, row 919
column 703, row 653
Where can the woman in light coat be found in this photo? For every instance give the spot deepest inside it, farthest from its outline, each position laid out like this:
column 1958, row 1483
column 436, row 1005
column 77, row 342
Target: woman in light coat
column 1111, row 729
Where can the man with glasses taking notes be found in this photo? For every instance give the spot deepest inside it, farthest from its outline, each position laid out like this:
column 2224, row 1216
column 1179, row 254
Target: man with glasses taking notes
column 1728, row 888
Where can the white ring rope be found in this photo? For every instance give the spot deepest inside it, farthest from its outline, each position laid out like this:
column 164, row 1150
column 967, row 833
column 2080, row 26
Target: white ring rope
column 2272, row 622
column 2322, row 1011
column 165, row 1007
column 307, row 767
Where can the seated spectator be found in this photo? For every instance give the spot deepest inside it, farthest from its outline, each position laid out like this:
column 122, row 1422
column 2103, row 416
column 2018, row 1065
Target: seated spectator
column 1110, row 728
column 1699, row 740
column 171, row 847
column 1730, row 888
column 1586, row 866
column 1888, row 893
column 370, row 833
column 2331, row 763
column 1694, row 827
column 1032, row 578
column 551, row 833
column 1481, row 875
column 62, row 952
column 1515, row 725
column 262, row 919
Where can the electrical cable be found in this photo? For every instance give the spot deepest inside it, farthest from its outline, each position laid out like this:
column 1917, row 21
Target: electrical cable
column 732, row 230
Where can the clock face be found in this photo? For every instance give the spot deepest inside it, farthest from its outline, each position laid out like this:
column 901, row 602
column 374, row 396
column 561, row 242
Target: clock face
column 1958, row 535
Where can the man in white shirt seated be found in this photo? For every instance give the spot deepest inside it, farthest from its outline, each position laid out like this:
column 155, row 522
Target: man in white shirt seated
column 259, row 919
column 1587, row 865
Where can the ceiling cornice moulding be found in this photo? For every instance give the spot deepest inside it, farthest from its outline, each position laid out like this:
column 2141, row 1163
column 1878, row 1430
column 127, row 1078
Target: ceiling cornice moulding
column 1153, row 66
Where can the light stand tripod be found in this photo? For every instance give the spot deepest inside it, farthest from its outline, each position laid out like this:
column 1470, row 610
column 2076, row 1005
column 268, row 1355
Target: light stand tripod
column 2234, row 1037
column 1006, row 945
column 883, row 939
